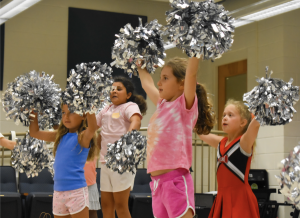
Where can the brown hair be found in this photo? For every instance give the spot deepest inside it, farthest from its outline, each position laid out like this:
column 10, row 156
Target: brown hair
column 62, row 130
column 138, row 99
column 206, row 118
column 244, row 113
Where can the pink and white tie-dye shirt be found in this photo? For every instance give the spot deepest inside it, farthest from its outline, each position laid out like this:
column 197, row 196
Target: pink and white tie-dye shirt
column 170, row 131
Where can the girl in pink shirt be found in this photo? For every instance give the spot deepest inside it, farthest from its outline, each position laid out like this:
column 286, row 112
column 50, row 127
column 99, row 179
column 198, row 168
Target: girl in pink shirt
column 181, row 107
column 123, row 115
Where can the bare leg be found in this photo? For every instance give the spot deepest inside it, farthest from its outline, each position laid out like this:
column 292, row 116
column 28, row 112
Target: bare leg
column 188, row 214
column 93, row 214
column 121, row 203
column 82, row 214
column 68, row 216
column 108, row 204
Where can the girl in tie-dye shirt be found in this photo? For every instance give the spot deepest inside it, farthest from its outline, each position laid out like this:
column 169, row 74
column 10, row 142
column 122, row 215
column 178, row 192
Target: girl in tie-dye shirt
column 181, row 107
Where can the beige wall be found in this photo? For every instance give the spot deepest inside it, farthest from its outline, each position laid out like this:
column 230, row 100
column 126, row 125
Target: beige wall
column 273, row 42
column 37, row 39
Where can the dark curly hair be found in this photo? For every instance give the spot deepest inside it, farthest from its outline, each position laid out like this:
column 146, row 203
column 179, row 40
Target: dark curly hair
column 138, row 99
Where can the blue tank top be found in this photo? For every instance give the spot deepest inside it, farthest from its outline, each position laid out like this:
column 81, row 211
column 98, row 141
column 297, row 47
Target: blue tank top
column 68, row 166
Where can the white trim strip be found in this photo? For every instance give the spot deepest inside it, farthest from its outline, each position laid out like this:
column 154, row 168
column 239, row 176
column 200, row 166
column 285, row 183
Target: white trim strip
column 236, row 170
column 187, row 200
column 245, row 153
column 233, row 149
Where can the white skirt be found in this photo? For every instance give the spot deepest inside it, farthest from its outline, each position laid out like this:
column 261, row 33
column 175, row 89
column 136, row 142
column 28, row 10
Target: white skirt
column 94, row 197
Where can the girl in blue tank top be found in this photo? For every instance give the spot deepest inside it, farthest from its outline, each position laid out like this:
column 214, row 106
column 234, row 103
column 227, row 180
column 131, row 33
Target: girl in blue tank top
column 74, row 144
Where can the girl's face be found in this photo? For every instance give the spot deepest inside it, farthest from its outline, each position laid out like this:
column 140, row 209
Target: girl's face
column 232, row 121
column 119, row 94
column 168, row 86
column 72, row 121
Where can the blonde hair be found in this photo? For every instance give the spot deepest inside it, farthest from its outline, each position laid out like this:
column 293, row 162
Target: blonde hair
column 206, row 119
column 62, row 130
column 244, row 113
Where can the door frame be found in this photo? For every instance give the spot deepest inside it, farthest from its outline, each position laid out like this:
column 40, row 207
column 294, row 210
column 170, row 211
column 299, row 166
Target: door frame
column 227, row 70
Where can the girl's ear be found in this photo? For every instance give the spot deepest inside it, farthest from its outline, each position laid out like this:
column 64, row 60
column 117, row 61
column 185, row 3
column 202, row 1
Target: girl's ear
column 181, row 85
column 129, row 95
column 243, row 122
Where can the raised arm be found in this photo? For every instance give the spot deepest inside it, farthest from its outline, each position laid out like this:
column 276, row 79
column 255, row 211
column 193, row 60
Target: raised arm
column 34, row 130
column 191, row 81
column 211, row 139
column 148, row 85
column 248, row 139
column 7, row 143
column 88, row 133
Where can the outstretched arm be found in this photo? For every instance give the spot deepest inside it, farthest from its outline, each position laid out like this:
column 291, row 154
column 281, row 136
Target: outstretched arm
column 211, row 139
column 148, row 85
column 88, row 133
column 7, row 143
column 34, row 130
column 191, row 81
column 248, row 138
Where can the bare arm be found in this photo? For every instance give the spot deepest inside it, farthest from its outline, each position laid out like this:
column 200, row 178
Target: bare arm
column 7, row 143
column 191, row 81
column 34, row 130
column 135, row 122
column 211, row 139
column 248, row 138
column 88, row 133
column 148, row 85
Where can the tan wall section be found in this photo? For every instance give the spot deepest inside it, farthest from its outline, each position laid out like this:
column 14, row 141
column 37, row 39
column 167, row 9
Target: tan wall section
column 37, row 38
column 273, row 42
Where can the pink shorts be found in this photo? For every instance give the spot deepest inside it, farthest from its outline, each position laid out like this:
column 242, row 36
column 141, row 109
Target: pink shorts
column 172, row 194
column 70, row 202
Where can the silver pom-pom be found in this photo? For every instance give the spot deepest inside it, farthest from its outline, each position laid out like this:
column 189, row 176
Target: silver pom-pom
column 199, row 28
column 278, row 95
column 31, row 156
column 36, row 92
column 125, row 154
column 289, row 178
column 87, row 87
column 140, row 43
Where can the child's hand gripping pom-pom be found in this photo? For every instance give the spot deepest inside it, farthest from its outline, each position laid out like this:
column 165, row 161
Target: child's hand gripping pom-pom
column 31, row 156
column 36, row 92
column 144, row 43
column 272, row 100
column 289, row 178
column 87, row 86
column 199, row 28
column 125, row 154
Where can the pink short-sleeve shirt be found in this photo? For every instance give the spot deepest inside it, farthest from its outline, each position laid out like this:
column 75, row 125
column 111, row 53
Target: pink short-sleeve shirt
column 115, row 122
column 170, row 129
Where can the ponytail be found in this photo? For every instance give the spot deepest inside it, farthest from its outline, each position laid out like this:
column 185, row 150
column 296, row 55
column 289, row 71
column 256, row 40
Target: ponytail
column 206, row 116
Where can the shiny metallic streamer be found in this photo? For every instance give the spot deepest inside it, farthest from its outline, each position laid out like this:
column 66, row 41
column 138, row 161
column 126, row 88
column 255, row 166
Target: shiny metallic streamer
column 88, row 87
column 289, row 178
column 31, row 156
column 144, row 43
column 125, row 154
column 36, row 92
column 278, row 95
column 199, row 28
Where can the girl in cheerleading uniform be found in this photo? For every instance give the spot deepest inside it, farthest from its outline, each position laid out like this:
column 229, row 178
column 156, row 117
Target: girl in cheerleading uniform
column 235, row 198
